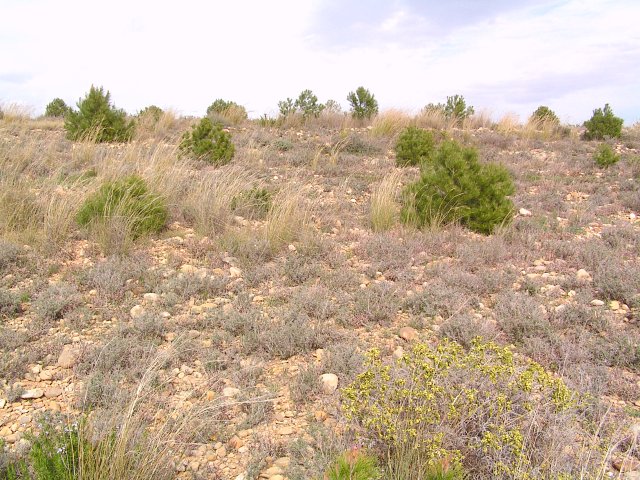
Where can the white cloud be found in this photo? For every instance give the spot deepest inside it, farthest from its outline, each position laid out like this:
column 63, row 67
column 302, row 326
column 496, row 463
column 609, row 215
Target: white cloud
column 573, row 55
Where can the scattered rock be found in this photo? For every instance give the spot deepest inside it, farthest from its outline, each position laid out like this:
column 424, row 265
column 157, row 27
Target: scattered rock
column 583, row 275
column 151, row 297
column 328, row 383
column 32, row 394
column 408, row 333
column 524, row 212
column 614, row 305
column 136, row 311
column 53, row 392
column 68, row 357
column 3, row 402
column 597, row 303
column 398, row 352
column 286, row 430
column 235, row 272
column 230, row 391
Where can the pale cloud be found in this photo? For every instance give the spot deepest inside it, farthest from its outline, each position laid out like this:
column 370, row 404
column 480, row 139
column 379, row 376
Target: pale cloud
column 505, row 56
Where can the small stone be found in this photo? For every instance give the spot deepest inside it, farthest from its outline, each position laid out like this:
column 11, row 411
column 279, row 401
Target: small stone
column 53, row 392
column 221, row 452
column 236, row 442
column 398, row 352
column 194, row 466
column 46, row 375
column 524, row 212
column 3, row 402
column 36, row 369
column 320, row 415
column 583, row 275
column 136, row 311
column 292, row 248
column 271, row 471
column 286, row 430
column 614, row 305
column 235, row 272
column 32, row 394
column 188, row 269
column 68, row 357
column 282, row 462
column 230, row 391
column 276, row 477
column 597, row 303
column 408, row 333
column 328, row 383
column 151, row 297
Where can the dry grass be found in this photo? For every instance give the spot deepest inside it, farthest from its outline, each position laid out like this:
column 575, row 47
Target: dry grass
column 287, row 218
column 508, row 124
column 390, row 123
column 384, row 209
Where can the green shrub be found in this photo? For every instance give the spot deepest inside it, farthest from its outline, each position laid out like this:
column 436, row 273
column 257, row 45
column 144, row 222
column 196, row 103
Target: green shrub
column 353, row 465
column 96, row 119
column 543, row 115
column 144, row 212
column 56, row 108
column 414, row 146
column 227, row 111
column 255, row 202
column 209, row 142
column 153, row 112
column 454, row 187
column 456, row 109
column 10, row 303
column 363, row 103
column 605, row 156
column 603, row 124
column 444, row 406
column 306, row 104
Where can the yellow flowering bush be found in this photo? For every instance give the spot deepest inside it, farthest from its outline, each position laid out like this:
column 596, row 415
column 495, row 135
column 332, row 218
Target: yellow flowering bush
column 481, row 410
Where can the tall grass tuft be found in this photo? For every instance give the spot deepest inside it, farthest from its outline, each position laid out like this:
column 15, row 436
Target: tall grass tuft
column 384, row 210
column 286, row 219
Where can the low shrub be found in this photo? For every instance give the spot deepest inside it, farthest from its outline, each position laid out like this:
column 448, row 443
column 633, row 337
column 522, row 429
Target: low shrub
column 152, row 112
column 414, row 146
column 605, row 156
column 97, row 120
column 209, row 142
column 543, row 115
column 10, row 303
column 129, row 199
column 603, row 124
column 354, row 465
column 306, row 104
column 226, row 111
column 253, row 203
column 455, row 187
column 55, row 301
column 477, row 410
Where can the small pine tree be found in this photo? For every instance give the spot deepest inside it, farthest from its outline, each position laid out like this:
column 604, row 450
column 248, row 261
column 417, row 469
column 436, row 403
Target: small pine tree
column 56, row 108
column 603, row 124
column 209, row 142
column 98, row 120
column 455, row 186
column 605, row 156
column 307, row 103
column 363, row 103
column 456, row 108
column 224, row 107
column 413, row 147
column 544, row 114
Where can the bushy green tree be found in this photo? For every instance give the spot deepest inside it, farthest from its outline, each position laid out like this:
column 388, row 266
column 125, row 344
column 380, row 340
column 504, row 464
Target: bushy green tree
column 286, row 107
column 152, row 112
column 307, row 103
column 98, row 120
column 603, row 124
column 455, row 186
column 414, row 146
column 209, row 142
column 129, row 199
column 605, row 156
column 544, row 114
column 56, row 108
column 332, row 106
column 363, row 103
column 456, row 108
column 225, row 107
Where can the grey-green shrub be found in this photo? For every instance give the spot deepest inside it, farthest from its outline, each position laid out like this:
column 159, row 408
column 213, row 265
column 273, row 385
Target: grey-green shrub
column 544, row 114
column 129, row 198
column 602, row 124
column 605, row 156
column 456, row 108
column 209, row 142
column 455, row 187
column 96, row 119
column 414, row 146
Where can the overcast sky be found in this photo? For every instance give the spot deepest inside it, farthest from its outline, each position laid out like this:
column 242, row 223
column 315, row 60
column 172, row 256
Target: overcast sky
column 504, row 56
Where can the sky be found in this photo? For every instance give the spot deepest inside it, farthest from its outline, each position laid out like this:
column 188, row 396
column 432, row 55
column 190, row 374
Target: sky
column 503, row 56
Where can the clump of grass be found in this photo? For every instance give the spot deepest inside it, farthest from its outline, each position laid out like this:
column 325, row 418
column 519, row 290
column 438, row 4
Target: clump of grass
column 389, row 123
column 354, row 465
column 384, row 210
column 286, row 219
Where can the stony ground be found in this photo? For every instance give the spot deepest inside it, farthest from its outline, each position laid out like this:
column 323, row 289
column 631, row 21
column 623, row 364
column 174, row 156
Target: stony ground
column 261, row 339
